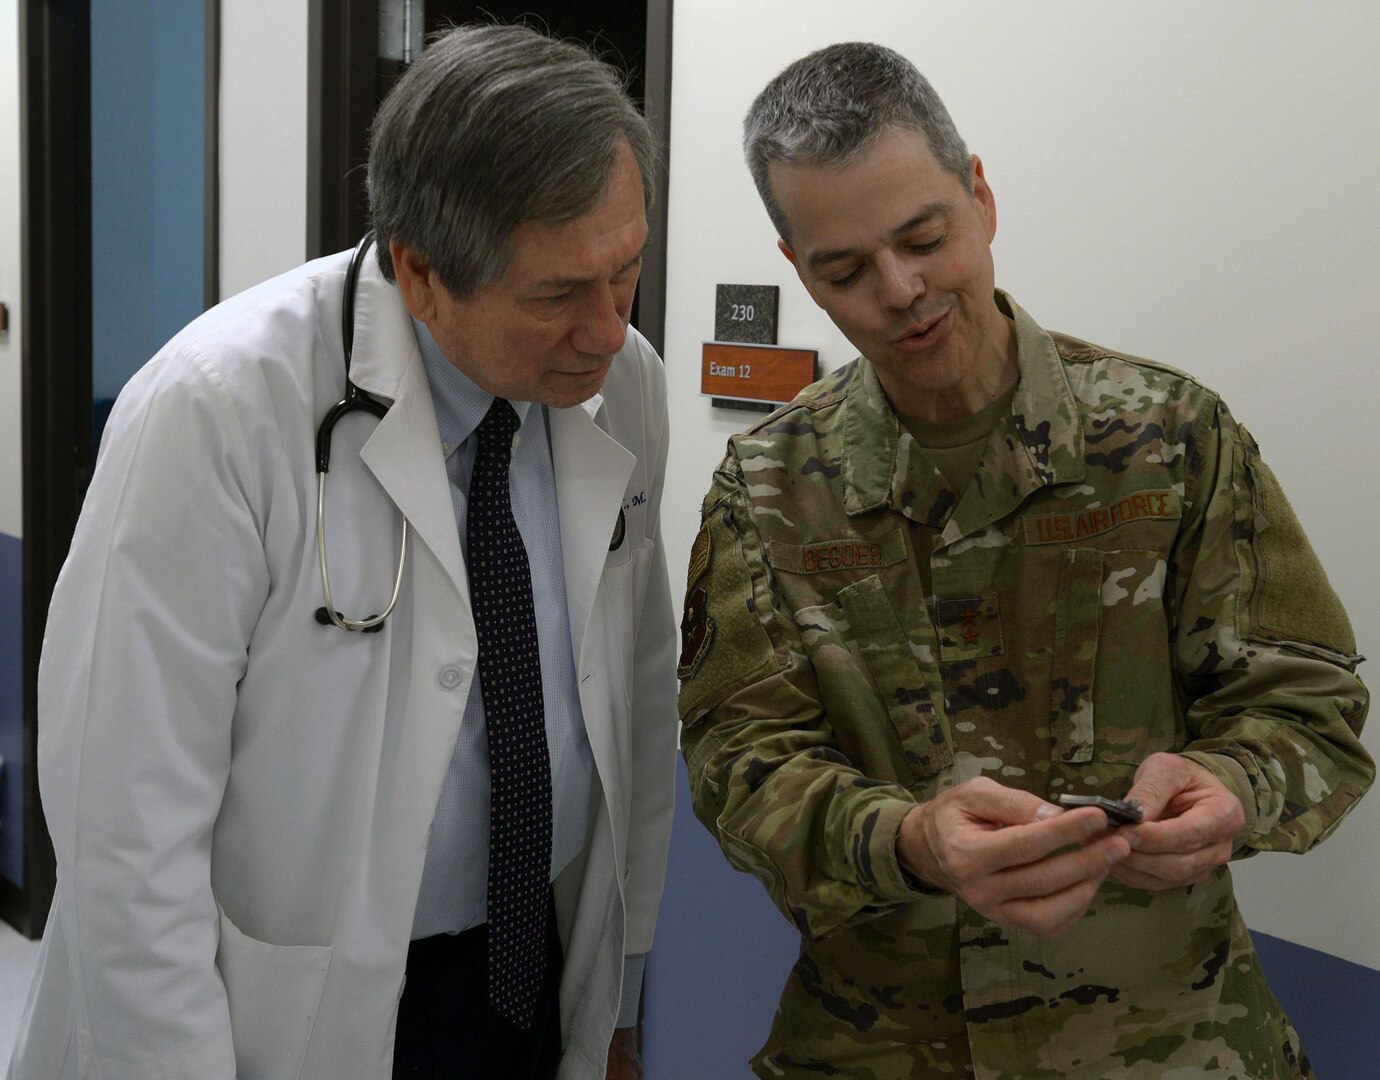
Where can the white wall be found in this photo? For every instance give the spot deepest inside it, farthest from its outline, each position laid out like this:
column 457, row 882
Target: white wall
column 1191, row 182
column 11, row 487
column 263, row 140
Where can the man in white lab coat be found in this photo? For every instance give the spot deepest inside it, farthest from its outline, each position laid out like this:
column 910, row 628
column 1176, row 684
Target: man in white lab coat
column 266, row 824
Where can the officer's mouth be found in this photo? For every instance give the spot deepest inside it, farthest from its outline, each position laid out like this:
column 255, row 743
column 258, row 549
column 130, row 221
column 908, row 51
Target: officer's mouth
column 920, row 336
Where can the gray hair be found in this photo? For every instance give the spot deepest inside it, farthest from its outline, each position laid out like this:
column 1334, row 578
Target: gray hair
column 495, row 126
column 828, row 107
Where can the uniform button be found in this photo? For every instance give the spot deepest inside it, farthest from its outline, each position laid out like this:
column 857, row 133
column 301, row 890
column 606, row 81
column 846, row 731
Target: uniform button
column 450, row 678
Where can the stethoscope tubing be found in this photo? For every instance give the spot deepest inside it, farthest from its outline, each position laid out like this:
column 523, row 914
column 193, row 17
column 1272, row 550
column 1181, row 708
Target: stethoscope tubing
column 355, row 400
column 336, row 617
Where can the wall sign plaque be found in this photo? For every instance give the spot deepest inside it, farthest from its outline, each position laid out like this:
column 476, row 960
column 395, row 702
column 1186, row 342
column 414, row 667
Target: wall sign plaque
column 739, row 375
column 745, row 313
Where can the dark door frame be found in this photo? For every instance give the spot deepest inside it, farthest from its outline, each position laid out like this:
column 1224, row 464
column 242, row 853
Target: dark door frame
column 651, row 320
column 55, row 109
column 57, row 440
column 342, row 48
column 343, row 76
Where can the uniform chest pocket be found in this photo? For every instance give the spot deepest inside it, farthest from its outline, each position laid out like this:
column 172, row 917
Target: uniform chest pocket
column 862, row 630
column 1112, row 688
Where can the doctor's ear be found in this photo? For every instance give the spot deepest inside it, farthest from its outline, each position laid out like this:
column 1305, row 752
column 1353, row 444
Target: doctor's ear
column 416, row 281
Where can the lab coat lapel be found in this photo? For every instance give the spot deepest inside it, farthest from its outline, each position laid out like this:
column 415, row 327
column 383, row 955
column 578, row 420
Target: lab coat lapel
column 592, row 472
column 404, row 452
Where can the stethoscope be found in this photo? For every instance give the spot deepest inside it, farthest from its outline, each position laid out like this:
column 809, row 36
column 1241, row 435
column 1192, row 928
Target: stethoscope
column 355, row 400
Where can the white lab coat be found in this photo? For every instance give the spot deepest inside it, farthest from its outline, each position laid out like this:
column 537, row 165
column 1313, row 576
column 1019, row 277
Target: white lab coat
column 239, row 797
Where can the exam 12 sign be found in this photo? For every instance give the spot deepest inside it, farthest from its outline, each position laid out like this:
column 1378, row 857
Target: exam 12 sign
column 766, row 373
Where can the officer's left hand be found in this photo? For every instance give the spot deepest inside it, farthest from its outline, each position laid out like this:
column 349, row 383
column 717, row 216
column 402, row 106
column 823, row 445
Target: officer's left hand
column 1191, row 819
column 625, row 1063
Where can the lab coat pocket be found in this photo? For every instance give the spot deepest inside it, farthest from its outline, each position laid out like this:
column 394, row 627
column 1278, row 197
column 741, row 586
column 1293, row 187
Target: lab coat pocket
column 274, row 992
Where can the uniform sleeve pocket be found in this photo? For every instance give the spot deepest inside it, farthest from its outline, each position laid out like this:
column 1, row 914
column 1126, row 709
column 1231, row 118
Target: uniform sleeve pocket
column 895, row 670
column 273, row 992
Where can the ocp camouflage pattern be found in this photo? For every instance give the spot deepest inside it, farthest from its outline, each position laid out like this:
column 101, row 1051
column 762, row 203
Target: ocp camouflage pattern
column 1122, row 576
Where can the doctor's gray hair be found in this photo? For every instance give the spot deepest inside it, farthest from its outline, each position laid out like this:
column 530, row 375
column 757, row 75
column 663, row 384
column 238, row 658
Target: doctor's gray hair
column 829, row 107
column 495, row 126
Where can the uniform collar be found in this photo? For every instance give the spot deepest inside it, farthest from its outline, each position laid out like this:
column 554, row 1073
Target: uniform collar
column 1040, row 443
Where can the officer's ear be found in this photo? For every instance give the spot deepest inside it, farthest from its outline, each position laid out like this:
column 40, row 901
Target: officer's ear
column 790, row 258
column 982, row 196
column 416, row 281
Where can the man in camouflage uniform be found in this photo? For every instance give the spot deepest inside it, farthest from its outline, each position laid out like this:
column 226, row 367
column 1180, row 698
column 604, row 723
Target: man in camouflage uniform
column 980, row 566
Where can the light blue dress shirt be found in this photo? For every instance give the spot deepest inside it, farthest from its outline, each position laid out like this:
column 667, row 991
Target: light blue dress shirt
column 455, row 876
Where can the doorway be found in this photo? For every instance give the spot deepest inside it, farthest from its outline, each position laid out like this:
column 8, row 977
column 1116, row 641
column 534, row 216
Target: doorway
column 349, row 78
column 122, row 90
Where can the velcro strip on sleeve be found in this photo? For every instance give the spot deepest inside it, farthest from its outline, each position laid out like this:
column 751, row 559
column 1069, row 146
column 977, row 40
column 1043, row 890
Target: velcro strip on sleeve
column 1292, row 599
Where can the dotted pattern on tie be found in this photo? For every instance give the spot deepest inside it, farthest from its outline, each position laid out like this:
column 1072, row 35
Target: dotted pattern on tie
column 519, row 764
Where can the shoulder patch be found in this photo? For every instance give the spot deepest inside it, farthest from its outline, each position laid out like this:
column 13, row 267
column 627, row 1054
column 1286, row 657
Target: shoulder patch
column 725, row 644
column 696, row 634
column 699, row 557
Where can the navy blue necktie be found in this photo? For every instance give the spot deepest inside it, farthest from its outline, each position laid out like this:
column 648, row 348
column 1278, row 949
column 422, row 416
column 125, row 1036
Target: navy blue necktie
column 519, row 764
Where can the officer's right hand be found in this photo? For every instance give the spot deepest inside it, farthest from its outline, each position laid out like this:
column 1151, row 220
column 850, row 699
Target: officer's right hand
column 1009, row 855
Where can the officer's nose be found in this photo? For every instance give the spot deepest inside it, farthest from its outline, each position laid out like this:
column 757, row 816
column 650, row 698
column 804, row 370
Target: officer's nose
column 899, row 282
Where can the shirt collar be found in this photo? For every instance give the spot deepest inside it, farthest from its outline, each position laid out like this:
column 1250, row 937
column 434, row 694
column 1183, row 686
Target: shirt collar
column 883, row 468
column 460, row 403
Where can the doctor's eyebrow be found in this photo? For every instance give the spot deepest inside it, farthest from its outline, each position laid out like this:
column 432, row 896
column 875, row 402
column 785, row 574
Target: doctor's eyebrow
column 926, row 212
column 571, row 282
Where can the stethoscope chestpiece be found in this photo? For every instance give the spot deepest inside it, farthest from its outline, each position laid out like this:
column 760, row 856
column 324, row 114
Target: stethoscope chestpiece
column 324, row 618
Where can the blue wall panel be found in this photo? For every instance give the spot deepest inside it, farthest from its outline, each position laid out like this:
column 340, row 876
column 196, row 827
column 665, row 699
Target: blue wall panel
column 147, row 124
column 721, row 956
column 723, row 952
column 12, row 709
column 1334, row 1004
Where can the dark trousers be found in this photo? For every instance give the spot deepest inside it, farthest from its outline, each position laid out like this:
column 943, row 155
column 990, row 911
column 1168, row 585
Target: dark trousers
column 446, row 1027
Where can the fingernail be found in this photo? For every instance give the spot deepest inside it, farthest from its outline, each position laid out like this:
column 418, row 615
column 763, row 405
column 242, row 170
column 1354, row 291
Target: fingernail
column 1046, row 811
column 1132, row 838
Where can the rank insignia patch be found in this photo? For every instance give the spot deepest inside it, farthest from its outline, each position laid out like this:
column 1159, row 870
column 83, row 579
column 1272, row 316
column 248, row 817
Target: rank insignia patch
column 969, row 628
column 696, row 633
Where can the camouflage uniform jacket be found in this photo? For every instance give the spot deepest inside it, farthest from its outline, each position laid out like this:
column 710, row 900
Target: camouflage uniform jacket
column 1122, row 575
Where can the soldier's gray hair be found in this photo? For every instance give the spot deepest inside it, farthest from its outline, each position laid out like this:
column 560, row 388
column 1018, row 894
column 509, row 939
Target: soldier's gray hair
column 828, row 107
column 495, row 126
